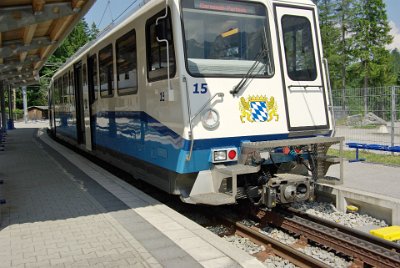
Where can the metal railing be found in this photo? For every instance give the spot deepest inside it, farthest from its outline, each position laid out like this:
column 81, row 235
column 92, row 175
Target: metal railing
column 368, row 115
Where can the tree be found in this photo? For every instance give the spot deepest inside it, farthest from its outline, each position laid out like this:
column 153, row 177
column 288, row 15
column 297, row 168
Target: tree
column 36, row 96
column 346, row 13
column 396, row 65
column 371, row 58
column 330, row 36
column 93, row 32
column 371, row 35
column 79, row 36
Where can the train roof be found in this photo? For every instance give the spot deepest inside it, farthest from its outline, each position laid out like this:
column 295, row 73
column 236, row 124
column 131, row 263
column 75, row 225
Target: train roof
column 142, row 7
column 304, row 2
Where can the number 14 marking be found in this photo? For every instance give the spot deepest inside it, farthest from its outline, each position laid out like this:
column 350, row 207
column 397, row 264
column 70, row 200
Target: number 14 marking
column 200, row 88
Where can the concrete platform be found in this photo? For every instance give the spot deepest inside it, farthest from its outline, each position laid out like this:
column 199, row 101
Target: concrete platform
column 64, row 211
column 374, row 188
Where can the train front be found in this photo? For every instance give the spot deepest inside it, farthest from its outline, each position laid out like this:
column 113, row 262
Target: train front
column 259, row 124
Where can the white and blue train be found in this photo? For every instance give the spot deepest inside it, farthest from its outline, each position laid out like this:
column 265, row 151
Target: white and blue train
column 210, row 100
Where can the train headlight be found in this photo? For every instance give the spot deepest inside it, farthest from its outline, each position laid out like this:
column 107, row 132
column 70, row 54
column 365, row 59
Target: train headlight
column 224, row 155
column 219, row 156
column 210, row 119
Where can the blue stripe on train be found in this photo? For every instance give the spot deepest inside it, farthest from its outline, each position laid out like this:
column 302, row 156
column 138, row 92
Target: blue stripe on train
column 139, row 135
column 66, row 124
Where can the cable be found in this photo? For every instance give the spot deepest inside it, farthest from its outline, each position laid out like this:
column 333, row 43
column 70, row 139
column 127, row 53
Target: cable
column 125, row 10
column 101, row 20
column 109, row 8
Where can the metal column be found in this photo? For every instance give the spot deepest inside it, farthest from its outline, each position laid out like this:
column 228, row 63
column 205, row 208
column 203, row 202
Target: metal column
column 25, row 105
column 3, row 107
column 393, row 116
column 10, row 123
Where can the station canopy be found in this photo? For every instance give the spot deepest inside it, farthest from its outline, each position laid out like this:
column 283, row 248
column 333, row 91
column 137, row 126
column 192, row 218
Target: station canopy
column 30, row 31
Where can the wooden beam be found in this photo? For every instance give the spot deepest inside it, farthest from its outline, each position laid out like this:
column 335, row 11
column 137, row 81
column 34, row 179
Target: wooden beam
column 59, row 27
column 77, row 4
column 12, row 19
column 37, row 65
column 1, row 44
column 38, row 6
column 15, row 47
column 29, row 32
column 17, row 65
column 16, row 75
column 23, row 82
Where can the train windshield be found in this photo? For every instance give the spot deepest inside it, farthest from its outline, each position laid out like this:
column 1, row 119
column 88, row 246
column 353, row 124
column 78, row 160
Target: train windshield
column 225, row 38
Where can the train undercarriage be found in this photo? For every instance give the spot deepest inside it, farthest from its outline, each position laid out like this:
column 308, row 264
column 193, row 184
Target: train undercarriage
column 269, row 173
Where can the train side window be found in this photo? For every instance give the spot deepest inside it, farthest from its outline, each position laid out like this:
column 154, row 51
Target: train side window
column 127, row 64
column 60, row 89
column 106, row 71
column 84, row 73
column 72, row 88
column 157, row 51
column 93, row 81
column 65, row 88
column 56, row 96
column 299, row 48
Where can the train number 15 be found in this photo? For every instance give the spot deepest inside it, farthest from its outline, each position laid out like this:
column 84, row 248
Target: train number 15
column 200, row 88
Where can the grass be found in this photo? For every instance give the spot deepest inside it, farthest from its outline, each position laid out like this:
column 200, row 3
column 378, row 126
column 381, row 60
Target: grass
column 386, row 159
column 366, row 127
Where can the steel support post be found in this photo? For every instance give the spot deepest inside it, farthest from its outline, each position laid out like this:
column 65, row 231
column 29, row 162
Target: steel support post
column 25, row 105
column 3, row 107
column 10, row 122
column 393, row 116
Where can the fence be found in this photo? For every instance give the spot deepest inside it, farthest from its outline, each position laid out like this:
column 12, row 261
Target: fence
column 368, row 115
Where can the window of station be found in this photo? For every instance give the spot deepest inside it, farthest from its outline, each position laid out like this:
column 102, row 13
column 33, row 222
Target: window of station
column 157, row 51
column 106, row 71
column 299, row 48
column 127, row 64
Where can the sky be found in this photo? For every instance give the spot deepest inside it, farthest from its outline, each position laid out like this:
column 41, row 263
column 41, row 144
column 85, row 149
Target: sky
column 393, row 9
column 103, row 16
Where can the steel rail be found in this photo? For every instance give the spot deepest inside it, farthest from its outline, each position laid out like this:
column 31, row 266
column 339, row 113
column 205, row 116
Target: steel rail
column 347, row 230
column 284, row 251
column 360, row 249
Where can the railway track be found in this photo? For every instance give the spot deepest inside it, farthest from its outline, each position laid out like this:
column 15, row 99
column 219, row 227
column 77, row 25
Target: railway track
column 273, row 246
column 363, row 248
column 347, row 230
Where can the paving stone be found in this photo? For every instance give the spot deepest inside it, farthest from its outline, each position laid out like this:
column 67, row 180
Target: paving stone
column 64, row 218
column 223, row 262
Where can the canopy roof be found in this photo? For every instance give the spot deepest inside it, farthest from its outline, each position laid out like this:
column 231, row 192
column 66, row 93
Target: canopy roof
column 30, row 31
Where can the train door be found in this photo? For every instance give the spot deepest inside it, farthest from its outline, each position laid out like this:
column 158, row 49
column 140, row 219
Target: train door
column 80, row 124
column 51, row 109
column 301, row 68
column 86, row 105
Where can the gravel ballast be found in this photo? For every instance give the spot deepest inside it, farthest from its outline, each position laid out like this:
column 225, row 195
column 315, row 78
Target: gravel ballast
column 329, row 212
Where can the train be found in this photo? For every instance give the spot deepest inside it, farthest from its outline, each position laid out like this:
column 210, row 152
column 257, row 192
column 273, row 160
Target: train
column 214, row 101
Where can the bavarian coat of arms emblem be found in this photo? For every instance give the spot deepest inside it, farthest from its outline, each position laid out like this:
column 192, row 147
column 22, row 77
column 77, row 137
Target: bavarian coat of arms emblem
column 258, row 109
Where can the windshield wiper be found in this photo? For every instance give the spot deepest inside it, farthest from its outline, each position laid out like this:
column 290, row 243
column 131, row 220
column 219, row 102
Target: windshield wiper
column 257, row 60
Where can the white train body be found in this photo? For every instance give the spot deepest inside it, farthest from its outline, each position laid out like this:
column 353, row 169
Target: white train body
column 241, row 95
